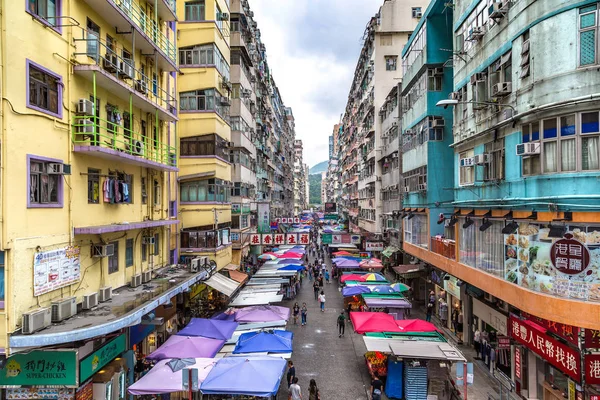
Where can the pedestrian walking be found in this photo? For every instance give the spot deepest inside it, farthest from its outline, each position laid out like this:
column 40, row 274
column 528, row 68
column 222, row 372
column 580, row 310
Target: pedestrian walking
column 295, row 391
column 327, row 276
column 376, row 386
column 291, row 374
column 341, row 323
column 321, row 280
column 316, row 288
column 310, row 273
column 477, row 343
column 303, row 312
column 313, row 391
column 322, row 301
column 349, row 310
column 296, row 312
column 429, row 312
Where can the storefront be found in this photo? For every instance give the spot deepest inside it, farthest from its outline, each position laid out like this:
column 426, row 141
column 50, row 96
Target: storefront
column 107, row 369
column 454, row 304
column 493, row 325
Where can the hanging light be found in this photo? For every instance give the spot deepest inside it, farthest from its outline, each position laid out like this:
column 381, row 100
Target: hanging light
column 453, row 220
column 510, row 228
column 411, row 215
column 441, row 219
column 557, row 231
column 468, row 223
column 485, row 225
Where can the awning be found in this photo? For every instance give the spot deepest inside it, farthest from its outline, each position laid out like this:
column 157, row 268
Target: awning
column 389, row 251
column 238, row 276
column 409, row 270
column 231, row 267
column 255, row 299
column 223, row 284
column 374, row 302
column 426, row 350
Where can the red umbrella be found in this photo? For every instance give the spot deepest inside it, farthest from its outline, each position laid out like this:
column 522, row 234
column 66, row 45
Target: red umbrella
column 371, row 264
column 290, row 254
column 352, row 277
column 415, row 325
column 373, row 322
column 342, row 253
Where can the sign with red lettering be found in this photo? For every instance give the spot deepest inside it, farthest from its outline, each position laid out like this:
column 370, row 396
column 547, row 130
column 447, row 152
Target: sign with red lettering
column 503, row 342
column 296, row 220
column 594, row 397
column 336, row 239
column 563, row 357
column 592, row 369
column 278, row 220
column 278, row 238
column 255, row 239
column 304, row 238
column 567, row 332
column 592, row 339
column 569, row 256
column 267, row 239
column 291, row 238
column 518, row 362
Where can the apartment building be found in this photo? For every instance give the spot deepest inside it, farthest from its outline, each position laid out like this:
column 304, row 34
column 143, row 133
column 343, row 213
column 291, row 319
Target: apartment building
column 300, row 200
column 517, row 256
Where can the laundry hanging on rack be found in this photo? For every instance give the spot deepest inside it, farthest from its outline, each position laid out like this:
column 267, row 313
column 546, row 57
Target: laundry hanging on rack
column 116, row 191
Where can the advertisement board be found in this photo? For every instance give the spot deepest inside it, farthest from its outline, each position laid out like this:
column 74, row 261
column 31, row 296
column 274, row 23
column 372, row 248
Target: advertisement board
column 236, row 208
column 98, row 359
column 592, row 369
column 55, row 269
column 374, row 246
column 330, row 207
column 564, row 267
column 264, row 218
column 40, row 368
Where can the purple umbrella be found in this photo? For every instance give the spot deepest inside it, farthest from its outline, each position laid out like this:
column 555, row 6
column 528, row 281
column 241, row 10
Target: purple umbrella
column 162, row 379
column 347, row 263
column 262, row 314
column 210, row 328
column 344, row 258
column 288, row 261
column 187, row 346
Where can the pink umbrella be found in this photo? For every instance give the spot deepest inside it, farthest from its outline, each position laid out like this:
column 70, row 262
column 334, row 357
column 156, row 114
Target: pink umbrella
column 374, row 322
column 415, row 325
column 262, row 314
column 371, row 264
column 352, row 277
column 290, row 254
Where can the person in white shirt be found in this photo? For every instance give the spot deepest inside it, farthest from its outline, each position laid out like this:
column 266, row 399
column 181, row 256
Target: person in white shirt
column 477, row 342
column 322, row 301
column 295, row 391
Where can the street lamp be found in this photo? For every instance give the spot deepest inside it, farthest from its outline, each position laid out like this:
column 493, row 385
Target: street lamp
column 451, row 102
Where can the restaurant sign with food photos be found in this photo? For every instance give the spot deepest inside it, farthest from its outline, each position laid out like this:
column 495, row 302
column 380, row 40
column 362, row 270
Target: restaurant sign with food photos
column 564, row 267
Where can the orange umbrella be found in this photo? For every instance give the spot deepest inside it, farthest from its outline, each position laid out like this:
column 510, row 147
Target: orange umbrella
column 342, row 253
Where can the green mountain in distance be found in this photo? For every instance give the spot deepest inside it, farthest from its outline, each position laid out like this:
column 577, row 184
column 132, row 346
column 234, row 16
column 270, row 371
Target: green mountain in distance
column 320, row 167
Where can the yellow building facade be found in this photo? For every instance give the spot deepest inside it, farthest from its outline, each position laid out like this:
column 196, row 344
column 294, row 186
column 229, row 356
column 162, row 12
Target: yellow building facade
column 89, row 151
column 204, row 130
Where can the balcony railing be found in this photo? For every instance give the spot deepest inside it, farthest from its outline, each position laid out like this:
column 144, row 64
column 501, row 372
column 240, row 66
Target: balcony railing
column 444, row 247
column 109, row 139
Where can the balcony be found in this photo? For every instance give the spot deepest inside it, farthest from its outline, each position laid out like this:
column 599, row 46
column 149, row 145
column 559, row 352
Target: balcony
column 167, row 10
column 119, row 77
column 444, row 247
column 107, row 139
column 125, row 14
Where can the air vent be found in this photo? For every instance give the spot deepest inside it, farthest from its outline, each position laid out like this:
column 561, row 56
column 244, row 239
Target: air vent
column 146, row 276
column 35, row 320
column 64, row 309
column 104, row 294
column 89, row 301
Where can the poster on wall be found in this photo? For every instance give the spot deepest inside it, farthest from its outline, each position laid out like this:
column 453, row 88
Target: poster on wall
column 564, row 267
column 55, row 269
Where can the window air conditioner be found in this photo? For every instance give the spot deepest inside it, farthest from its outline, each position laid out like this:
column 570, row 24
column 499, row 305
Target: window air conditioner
column 141, row 86
column 406, row 189
column 63, row 309
column 35, row 320
column 136, row 281
column 126, row 69
column 497, row 9
column 136, row 147
column 58, row 169
column 104, row 294
column 526, row 149
column 103, row 250
column 146, row 276
column 422, row 187
column 84, row 126
column 467, row 162
column 149, row 240
column 85, row 107
column 501, row 89
column 481, row 159
column 110, row 62
column 476, row 33
column 437, row 123
column 455, row 95
column 89, row 301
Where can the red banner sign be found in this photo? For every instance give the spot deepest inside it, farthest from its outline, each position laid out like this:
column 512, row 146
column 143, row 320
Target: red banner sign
column 278, row 238
column 569, row 256
column 592, row 369
column 567, row 332
column 304, row 238
column 561, row 356
column 255, row 239
column 594, row 397
column 518, row 362
column 592, row 339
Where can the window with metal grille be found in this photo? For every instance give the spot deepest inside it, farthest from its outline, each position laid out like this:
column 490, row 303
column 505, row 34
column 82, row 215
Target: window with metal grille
column 113, row 261
column 494, row 168
column 588, row 35
column 128, row 252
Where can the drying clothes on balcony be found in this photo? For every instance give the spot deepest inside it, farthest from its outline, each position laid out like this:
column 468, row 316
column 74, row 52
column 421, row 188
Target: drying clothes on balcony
column 115, row 191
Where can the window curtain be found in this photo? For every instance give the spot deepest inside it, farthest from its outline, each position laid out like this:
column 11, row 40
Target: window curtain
column 490, row 247
column 589, row 154
column 467, row 243
column 568, row 161
column 550, row 157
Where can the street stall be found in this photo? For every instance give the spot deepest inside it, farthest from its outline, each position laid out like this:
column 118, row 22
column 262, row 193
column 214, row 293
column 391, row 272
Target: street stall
column 187, row 346
column 222, row 289
column 210, row 328
column 395, row 305
column 244, row 377
column 266, row 341
column 262, row 314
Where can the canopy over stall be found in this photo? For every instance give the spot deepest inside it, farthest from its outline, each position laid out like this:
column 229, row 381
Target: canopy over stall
column 271, row 341
column 262, row 314
column 256, row 299
column 373, row 322
column 380, row 302
column 187, row 346
column 223, row 284
column 210, row 328
column 426, row 350
column 163, row 379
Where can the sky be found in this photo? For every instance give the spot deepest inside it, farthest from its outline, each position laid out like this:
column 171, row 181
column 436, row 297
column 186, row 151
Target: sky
column 312, row 50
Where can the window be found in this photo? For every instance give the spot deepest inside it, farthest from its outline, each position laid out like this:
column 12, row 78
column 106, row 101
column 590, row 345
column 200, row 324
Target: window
column 156, row 244
column 482, row 250
column 204, row 239
column 93, row 186
column 415, row 180
column 46, row 10
column 1, row 279
column 45, row 91
column 93, row 39
column 467, row 173
column 494, row 169
column 144, row 191
column 113, row 261
column 144, row 252
column 204, row 55
column 128, row 253
column 195, row 11
column 45, row 187
column 390, row 63
column 434, row 80
column 173, row 209
column 416, row 12
column 415, row 230
column 156, row 192
column 386, row 39
column 588, row 35
column 416, row 48
column 205, row 190
column 205, row 145
column 589, row 141
column 525, row 57
column 202, row 100
column 218, row 17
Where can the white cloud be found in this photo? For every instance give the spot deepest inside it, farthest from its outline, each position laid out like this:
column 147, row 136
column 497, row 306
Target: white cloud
column 312, row 48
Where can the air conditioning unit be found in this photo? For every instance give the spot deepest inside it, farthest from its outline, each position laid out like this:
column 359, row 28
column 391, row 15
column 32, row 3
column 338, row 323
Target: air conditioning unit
column 110, row 62
column 481, row 159
column 467, row 162
column 136, row 281
column 64, row 308
column 141, row 86
column 198, row 262
column 35, row 320
column 150, row 240
column 497, row 9
column 84, row 126
column 85, row 107
column 406, row 189
column 455, row 96
column 89, row 301
column 103, row 250
column 501, row 89
column 126, row 70
column 223, row 17
column 418, row 14
column 136, row 147
column 437, row 123
column 526, row 149
column 146, row 276
column 476, row 33
column 58, row 169
column 104, row 294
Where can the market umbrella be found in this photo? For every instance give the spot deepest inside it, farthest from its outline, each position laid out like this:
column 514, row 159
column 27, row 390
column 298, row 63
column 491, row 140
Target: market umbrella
column 266, row 313
column 344, row 258
column 223, row 316
column 374, row 322
column 267, row 257
column 347, row 264
column 374, row 277
column 287, row 261
column 274, row 341
column 290, row 254
column 250, row 376
column 342, row 253
column 291, row 267
column 399, row 287
column 187, row 346
column 210, row 328
column 371, row 264
column 351, row 277
column 350, row 291
column 415, row 325
column 161, row 378
column 383, row 289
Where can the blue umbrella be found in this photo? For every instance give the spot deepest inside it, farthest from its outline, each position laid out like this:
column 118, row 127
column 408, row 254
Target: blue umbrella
column 275, row 341
column 350, row 291
column 383, row 289
column 291, row 267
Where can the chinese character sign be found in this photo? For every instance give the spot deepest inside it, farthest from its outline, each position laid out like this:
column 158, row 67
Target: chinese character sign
column 567, row 332
column 55, row 269
column 264, row 218
column 592, row 339
column 40, row 368
column 291, row 238
column 592, row 369
column 278, row 238
column 255, row 239
column 336, row 239
column 303, row 238
column 267, row 239
column 563, row 357
column 569, row 256
column 518, row 362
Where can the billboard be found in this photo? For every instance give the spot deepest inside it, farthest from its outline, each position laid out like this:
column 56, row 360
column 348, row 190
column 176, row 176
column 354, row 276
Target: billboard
column 330, row 207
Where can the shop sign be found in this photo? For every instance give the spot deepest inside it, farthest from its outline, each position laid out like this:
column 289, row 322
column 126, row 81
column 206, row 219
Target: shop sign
column 572, row 391
column 561, row 356
column 291, row 238
column 245, row 208
column 328, row 238
column 267, row 239
column 567, row 332
column 451, row 286
column 55, row 269
column 264, row 218
column 336, row 239
column 236, row 208
column 40, row 368
column 40, row 394
column 594, row 397
column 98, row 359
column 592, row 369
column 374, row 246
column 85, row 392
column 255, row 239
column 279, row 238
column 518, row 362
column 331, row 217
column 503, row 342
column 492, row 317
column 304, row 238
column 330, row 207
column 592, row 339
column 569, row 256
